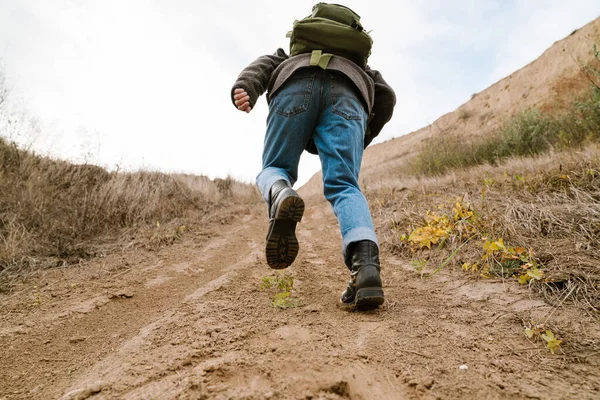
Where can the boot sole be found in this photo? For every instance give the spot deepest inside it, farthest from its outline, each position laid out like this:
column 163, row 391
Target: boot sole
column 282, row 244
column 368, row 298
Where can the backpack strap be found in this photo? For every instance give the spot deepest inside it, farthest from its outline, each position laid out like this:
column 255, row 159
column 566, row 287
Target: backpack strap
column 318, row 59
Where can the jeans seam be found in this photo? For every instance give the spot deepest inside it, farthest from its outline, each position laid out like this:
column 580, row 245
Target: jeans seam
column 349, row 117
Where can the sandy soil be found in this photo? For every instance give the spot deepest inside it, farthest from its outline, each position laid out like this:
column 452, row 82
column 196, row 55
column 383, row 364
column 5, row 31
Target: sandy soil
column 190, row 321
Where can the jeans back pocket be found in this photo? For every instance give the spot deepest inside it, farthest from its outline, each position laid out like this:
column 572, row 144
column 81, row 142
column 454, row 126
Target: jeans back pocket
column 294, row 96
column 345, row 98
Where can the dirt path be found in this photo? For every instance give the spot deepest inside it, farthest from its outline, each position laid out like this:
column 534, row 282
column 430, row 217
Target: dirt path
column 190, row 321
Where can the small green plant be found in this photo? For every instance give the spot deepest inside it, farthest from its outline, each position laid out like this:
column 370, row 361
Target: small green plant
column 419, row 265
column 284, row 285
column 519, row 178
column 284, row 300
column 282, row 282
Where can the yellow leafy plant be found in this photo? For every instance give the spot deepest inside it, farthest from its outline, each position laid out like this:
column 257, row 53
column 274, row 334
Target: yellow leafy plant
column 552, row 342
column 470, row 267
column 512, row 260
column 442, row 225
column 535, row 331
column 437, row 227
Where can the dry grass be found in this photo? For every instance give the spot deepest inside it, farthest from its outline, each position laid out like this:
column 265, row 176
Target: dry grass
column 550, row 204
column 53, row 212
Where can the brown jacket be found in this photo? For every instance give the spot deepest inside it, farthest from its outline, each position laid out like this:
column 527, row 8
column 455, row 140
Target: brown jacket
column 268, row 73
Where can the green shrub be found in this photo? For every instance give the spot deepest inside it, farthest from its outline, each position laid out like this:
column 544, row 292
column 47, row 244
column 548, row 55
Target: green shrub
column 451, row 152
column 528, row 133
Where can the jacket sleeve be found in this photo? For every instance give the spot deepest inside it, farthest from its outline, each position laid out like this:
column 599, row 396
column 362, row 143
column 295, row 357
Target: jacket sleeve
column 254, row 79
column 383, row 108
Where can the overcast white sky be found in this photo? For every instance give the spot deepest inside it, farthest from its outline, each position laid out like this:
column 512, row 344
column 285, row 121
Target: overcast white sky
column 146, row 83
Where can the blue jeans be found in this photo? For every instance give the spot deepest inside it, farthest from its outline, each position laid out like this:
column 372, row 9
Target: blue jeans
column 324, row 106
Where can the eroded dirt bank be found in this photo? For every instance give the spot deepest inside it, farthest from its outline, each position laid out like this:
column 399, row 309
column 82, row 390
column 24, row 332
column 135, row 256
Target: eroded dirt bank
column 190, row 321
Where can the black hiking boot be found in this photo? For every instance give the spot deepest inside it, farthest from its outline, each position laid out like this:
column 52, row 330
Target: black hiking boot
column 365, row 287
column 286, row 208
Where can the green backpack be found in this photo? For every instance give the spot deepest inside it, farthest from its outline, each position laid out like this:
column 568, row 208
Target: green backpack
column 331, row 29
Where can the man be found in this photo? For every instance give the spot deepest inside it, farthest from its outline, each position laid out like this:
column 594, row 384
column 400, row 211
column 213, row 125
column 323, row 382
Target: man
column 334, row 109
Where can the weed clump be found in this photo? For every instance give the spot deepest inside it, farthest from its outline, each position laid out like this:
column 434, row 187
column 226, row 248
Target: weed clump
column 460, row 227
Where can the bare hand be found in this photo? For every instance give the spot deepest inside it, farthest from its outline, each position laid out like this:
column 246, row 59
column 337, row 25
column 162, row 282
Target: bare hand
column 242, row 100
